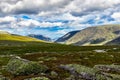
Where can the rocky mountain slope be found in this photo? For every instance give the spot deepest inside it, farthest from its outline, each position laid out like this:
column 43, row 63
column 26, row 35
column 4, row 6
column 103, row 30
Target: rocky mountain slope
column 115, row 41
column 66, row 36
column 98, row 35
column 41, row 37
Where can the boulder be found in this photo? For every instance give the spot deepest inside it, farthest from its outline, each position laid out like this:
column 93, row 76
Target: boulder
column 18, row 66
column 79, row 72
column 53, row 74
column 108, row 68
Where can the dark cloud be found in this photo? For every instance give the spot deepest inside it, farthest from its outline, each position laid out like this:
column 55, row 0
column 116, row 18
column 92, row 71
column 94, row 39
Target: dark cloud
column 31, row 6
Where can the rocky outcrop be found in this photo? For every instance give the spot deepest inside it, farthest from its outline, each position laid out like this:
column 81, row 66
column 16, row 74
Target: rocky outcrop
column 66, row 36
column 17, row 66
column 115, row 41
column 108, row 68
column 79, row 72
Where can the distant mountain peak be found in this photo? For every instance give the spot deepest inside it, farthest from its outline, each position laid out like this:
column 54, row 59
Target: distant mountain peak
column 67, row 36
column 41, row 37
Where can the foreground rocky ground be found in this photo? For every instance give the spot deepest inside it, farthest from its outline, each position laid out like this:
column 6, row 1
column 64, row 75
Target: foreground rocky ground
column 36, row 71
column 47, row 61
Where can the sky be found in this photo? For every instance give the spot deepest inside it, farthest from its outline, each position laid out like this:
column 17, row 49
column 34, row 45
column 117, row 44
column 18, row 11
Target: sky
column 54, row 18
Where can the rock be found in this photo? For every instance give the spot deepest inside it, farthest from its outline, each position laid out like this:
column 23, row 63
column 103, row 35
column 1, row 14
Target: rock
column 53, row 74
column 18, row 66
column 100, row 51
column 38, row 78
column 79, row 72
column 108, row 68
column 3, row 78
column 71, row 78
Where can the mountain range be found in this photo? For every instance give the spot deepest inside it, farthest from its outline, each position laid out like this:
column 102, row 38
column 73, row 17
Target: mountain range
column 97, row 35
column 41, row 37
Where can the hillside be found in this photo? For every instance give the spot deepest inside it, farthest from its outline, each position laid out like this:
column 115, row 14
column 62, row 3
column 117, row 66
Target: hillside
column 98, row 35
column 66, row 36
column 114, row 42
column 7, row 36
column 41, row 37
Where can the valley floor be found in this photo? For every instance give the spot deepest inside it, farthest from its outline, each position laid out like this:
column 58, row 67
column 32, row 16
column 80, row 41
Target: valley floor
column 54, row 55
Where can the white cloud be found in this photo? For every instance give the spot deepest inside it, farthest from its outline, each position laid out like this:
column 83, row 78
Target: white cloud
column 76, row 7
column 78, row 14
column 48, row 24
column 80, row 7
column 28, row 23
column 116, row 15
column 32, row 6
column 64, row 16
column 7, row 19
column 35, row 23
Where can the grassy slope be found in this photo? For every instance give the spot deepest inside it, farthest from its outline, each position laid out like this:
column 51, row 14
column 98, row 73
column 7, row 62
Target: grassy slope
column 17, row 38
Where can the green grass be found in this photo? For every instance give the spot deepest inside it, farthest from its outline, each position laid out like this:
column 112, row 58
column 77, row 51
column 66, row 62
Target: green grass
column 53, row 54
column 17, row 37
column 17, row 47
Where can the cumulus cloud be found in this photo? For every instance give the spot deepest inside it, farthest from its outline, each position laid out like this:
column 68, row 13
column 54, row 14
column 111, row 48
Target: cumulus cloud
column 46, row 7
column 66, row 15
column 34, row 23
column 79, row 7
column 116, row 15
column 31, row 6
column 7, row 19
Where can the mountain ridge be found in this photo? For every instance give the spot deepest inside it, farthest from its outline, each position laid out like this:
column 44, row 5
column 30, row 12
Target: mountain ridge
column 115, row 41
column 97, row 35
column 41, row 37
column 67, row 36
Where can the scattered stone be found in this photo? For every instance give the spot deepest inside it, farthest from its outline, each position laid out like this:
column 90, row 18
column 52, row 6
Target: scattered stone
column 38, row 78
column 53, row 74
column 100, row 51
column 86, row 58
column 114, row 48
column 112, row 56
column 47, row 59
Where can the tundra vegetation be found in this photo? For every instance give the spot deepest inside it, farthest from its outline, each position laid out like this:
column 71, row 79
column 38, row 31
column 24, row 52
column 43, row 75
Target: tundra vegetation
column 21, row 60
